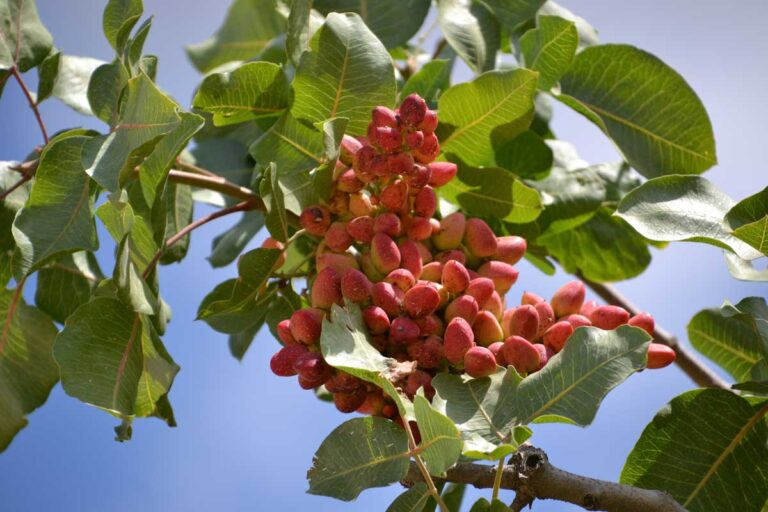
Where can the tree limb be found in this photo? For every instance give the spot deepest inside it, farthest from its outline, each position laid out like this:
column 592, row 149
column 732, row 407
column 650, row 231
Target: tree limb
column 686, row 360
column 530, row 474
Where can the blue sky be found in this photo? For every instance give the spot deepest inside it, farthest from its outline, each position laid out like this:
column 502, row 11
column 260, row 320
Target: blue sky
column 245, row 437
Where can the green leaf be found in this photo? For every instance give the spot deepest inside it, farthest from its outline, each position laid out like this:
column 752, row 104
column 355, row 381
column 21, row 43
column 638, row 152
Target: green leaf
column 482, row 409
column 131, row 287
column 67, row 284
column 527, row 156
column 27, row 369
column 440, row 439
column 71, row 82
column 675, row 208
column 707, row 448
column 101, row 354
column 295, row 149
column 24, row 41
column 105, row 89
column 247, row 30
column 58, row 216
column 472, row 31
column 240, row 342
column 360, row 454
column 120, row 16
column 282, row 307
column 228, row 246
column 574, row 382
column 733, row 344
column 154, row 169
column 394, row 22
column 549, row 49
column 248, row 92
column 430, row 81
column 276, row 217
column 493, row 193
column 744, row 269
column 146, row 113
column 748, row 220
column 233, row 305
column 346, row 73
column 623, row 90
column 179, row 208
column 346, row 346
column 8, row 208
column 496, row 106
column 512, row 13
column 136, row 46
column 412, row 500
column 760, row 388
column 300, row 30
column 46, row 76
column 587, row 33
column 603, row 249
column 453, row 495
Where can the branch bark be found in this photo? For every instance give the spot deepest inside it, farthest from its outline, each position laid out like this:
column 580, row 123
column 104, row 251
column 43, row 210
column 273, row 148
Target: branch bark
column 686, row 360
column 531, row 475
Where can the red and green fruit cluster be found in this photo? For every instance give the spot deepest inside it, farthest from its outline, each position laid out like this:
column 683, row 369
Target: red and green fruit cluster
column 432, row 290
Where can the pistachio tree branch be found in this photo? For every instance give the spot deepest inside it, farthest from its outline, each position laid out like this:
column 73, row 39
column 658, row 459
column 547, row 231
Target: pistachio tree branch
column 530, row 474
column 686, row 360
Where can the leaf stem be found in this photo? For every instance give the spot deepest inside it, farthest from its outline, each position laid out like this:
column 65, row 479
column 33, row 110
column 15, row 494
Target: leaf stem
column 239, row 207
column 497, row 480
column 189, row 167
column 423, row 469
column 15, row 72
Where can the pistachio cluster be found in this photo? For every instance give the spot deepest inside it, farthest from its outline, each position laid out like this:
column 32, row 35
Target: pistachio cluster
column 432, row 290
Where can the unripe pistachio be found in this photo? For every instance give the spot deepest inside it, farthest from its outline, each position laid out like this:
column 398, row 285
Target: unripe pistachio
column 349, row 402
column 463, row 306
column 431, row 353
column 384, row 253
column 643, row 321
column 415, row 139
column 557, row 335
column 348, row 182
column 531, row 298
column 369, row 269
column 306, row 325
column 432, row 271
column 361, row 162
column 410, row 258
column 425, row 202
column 441, row 173
column 430, row 325
column 486, row 328
column 544, row 354
column 587, row 308
column 326, row 289
column 524, row 322
column 383, row 116
column 569, row 298
column 361, row 229
column 479, row 362
column 412, row 110
column 313, row 367
column 609, row 317
column 546, row 317
column 510, row 249
column 389, row 139
column 401, row 278
column 387, row 223
column 495, row 349
column 387, row 297
column 418, row 177
column 355, row 286
column 315, row 220
column 502, row 274
column 400, row 163
column 455, row 277
column 522, row 354
column 659, row 356
column 429, row 123
column 271, row 243
column 451, row 232
column 415, row 381
column 494, row 305
column 337, row 261
column 577, row 321
column 380, row 166
column 429, row 149
column 452, row 255
column 394, row 196
column 284, row 332
column 457, row 340
column 403, row 330
column 418, row 228
column 376, row 319
column 337, row 238
column 282, row 362
column 360, row 204
column 349, row 147
column 421, row 300
column 479, row 239
column 481, row 288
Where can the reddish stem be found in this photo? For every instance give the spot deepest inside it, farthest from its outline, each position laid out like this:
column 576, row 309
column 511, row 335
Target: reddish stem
column 32, row 104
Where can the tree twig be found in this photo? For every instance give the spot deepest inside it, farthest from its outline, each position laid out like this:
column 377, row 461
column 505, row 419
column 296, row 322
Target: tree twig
column 686, row 360
column 211, row 182
column 532, row 476
column 31, row 100
column 239, row 207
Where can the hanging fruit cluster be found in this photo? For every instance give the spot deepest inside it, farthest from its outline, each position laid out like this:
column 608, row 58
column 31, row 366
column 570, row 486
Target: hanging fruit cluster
column 431, row 290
